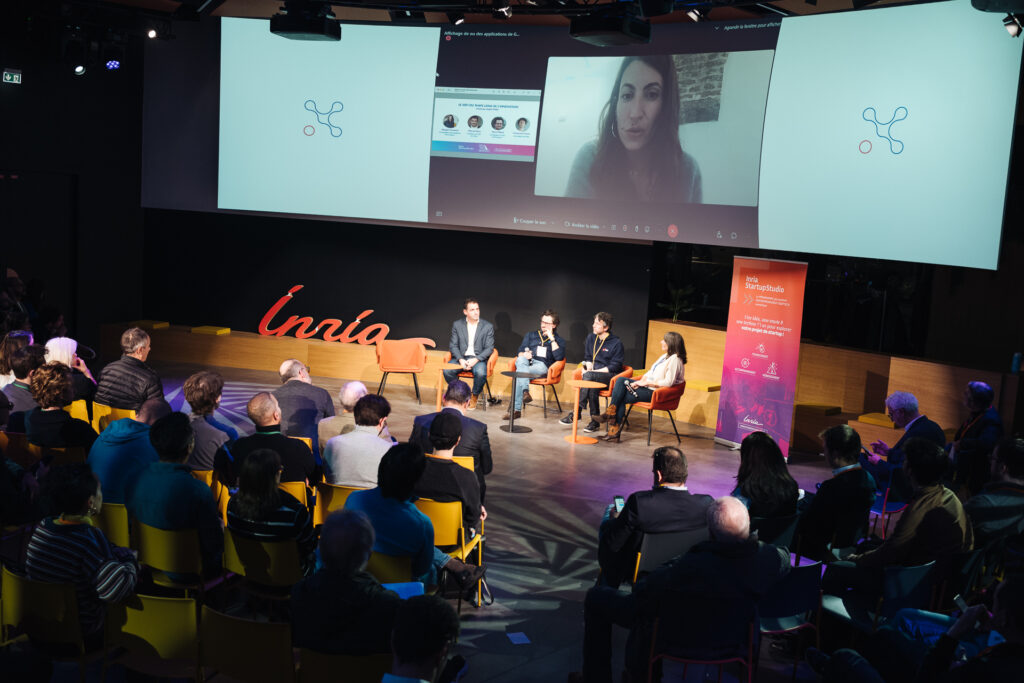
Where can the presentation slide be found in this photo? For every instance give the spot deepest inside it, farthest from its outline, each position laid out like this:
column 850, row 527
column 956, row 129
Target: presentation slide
column 482, row 123
column 887, row 135
column 336, row 129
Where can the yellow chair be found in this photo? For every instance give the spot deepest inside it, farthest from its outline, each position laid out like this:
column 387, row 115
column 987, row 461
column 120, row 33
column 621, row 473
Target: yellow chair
column 221, row 495
column 150, row 627
column 330, row 497
column 319, row 667
column 264, row 563
column 304, row 439
column 205, row 476
column 296, row 489
column 64, row 456
column 46, row 612
column 113, row 522
column 170, row 552
column 247, row 650
column 464, row 460
column 79, row 410
column 450, row 536
column 16, row 448
column 103, row 415
column 390, row 568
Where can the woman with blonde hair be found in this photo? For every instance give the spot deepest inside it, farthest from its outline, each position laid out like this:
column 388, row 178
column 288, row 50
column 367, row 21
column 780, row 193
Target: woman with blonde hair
column 64, row 350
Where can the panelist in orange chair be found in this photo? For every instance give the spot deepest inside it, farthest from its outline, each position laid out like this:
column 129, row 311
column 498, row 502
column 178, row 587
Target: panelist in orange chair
column 603, row 356
column 536, row 354
column 667, row 371
column 471, row 344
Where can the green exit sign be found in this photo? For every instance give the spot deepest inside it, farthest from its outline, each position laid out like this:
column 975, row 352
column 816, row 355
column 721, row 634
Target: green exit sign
column 12, row 76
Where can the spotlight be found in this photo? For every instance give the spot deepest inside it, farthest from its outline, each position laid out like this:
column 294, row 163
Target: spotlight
column 79, row 69
column 113, row 56
column 456, row 19
column 113, row 65
column 697, row 13
column 151, row 33
column 500, row 9
column 1013, row 25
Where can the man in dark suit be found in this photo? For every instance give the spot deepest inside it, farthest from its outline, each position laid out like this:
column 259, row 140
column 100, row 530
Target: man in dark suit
column 667, row 507
column 303, row 405
column 474, row 443
column 471, row 344
column 902, row 409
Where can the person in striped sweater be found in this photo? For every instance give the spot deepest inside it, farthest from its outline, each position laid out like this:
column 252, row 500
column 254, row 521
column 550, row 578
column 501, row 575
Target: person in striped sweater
column 67, row 548
column 263, row 512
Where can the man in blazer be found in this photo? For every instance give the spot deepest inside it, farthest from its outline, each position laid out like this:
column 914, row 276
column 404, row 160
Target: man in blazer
column 474, row 442
column 471, row 344
column 902, row 409
column 667, row 507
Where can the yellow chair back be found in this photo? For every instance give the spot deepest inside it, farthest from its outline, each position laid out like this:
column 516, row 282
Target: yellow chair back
column 47, row 612
column 113, row 522
column 304, row 439
column 296, row 489
column 205, row 476
column 247, row 650
column 65, row 455
column 175, row 552
column 330, row 497
column 269, row 563
column 78, row 410
column 154, row 626
column 446, row 518
column 465, row 461
column 390, row 568
column 16, row 448
column 318, row 667
column 103, row 415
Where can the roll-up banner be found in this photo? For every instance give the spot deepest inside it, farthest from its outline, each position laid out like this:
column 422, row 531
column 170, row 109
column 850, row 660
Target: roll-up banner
column 762, row 350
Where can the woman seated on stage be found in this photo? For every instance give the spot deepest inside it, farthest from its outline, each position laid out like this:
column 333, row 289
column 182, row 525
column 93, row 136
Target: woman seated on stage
column 667, row 371
column 263, row 512
column 763, row 482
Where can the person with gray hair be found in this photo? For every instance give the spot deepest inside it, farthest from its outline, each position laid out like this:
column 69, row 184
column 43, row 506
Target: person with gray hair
column 343, row 588
column 302, row 404
column 127, row 383
column 902, row 409
column 344, row 421
column 731, row 565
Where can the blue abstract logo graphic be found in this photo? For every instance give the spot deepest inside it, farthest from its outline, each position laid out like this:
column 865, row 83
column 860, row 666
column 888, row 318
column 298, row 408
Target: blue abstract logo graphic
column 324, row 117
column 883, row 129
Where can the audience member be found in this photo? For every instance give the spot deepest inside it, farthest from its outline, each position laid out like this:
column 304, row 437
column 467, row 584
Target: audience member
column 23, row 363
column 999, row 509
column 67, row 548
column 12, row 342
column 731, row 565
column 474, row 442
column 426, row 627
column 344, row 587
column 538, row 351
column 603, row 356
column 903, row 411
column 48, row 424
column 444, row 480
column 19, row 494
column 352, row 459
column 400, row 528
column 302, row 404
column 345, row 421
column 128, row 382
column 667, row 507
column 471, row 344
column 166, row 495
column 763, row 481
column 65, row 350
column 261, row 511
column 975, row 440
column 836, row 516
column 202, row 391
column 296, row 458
column 123, row 450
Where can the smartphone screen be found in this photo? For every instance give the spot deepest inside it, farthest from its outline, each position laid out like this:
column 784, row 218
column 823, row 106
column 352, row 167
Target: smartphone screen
column 620, row 503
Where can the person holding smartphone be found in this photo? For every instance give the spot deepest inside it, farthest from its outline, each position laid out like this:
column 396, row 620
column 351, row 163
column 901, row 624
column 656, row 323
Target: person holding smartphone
column 536, row 354
column 667, row 371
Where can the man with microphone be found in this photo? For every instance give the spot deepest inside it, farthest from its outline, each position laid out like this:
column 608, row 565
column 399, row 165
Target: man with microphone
column 538, row 351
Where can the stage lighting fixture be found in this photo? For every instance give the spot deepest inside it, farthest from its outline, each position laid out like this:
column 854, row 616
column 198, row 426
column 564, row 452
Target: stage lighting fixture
column 612, row 28
column 306, row 20
column 500, row 9
column 113, row 56
column 697, row 13
column 656, row 8
column 151, row 33
column 79, row 69
column 1013, row 25
column 456, row 19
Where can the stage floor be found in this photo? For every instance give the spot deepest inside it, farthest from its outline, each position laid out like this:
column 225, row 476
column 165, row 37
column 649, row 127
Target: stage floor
column 545, row 499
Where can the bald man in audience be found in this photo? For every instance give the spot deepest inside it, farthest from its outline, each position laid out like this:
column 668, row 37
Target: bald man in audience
column 302, row 404
column 732, row 565
column 297, row 461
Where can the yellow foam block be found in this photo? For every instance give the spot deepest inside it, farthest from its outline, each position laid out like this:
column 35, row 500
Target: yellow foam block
column 150, row 324
column 819, row 408
column 211, row 329
column 703, row 385
column 877, row 419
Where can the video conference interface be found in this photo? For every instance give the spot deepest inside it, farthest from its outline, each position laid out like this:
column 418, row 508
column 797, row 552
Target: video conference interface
column 773, row 134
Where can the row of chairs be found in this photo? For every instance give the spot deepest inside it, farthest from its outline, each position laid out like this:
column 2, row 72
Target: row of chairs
column 156, row 633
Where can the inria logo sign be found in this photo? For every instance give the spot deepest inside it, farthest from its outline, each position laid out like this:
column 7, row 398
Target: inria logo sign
column 324, row 118
column 883, row 129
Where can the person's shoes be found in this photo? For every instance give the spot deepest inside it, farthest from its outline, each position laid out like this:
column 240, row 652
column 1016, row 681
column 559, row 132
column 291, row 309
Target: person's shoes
column 612, row 411
column 614, row 432
column 567, row 420
column 600, row 419
column 472, row 401
column 526, row 396
column 592, row 426
column 517, row 413
column 817, row 660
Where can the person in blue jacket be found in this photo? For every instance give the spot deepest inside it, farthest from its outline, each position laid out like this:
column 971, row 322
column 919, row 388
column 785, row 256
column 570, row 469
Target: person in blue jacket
column 538, row 351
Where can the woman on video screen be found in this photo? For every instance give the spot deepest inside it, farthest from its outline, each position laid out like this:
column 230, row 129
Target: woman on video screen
column 637, row 155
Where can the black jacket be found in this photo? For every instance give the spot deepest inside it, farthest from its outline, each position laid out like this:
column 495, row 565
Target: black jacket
column 127, row 383
column 474, row 443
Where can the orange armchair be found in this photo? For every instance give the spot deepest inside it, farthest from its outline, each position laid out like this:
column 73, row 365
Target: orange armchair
column 606, row 394
column 554, row 376
column 492, row 361
column 401, row 355
column 664, row 398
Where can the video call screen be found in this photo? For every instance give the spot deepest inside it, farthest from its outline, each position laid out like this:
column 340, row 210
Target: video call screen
column 793, row 135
